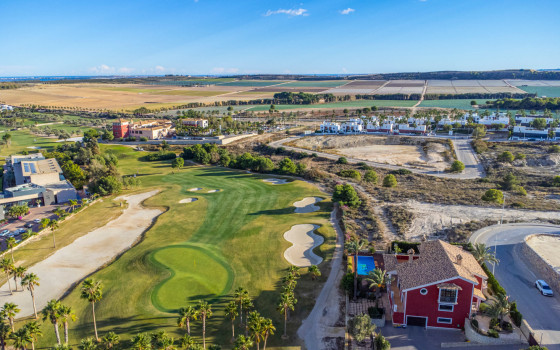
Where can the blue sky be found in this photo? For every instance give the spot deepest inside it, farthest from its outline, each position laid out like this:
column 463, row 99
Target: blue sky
column 62, row 37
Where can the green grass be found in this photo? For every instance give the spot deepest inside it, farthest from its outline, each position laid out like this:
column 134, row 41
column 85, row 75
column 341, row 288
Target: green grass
column 349, row 104
column 458, row 103
column 203, row 250
column 22, row 139
column 323, row 83
column 548, row 91
column 251, row 83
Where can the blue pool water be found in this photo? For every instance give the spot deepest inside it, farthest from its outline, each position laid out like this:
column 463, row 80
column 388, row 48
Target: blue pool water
column 365, row 265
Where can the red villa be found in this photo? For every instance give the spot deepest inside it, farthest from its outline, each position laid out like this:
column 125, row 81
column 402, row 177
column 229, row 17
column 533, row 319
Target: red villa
column 439, row 288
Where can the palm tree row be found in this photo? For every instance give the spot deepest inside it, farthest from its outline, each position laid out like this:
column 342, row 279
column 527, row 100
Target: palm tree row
column 288, row 300
column 27, row 280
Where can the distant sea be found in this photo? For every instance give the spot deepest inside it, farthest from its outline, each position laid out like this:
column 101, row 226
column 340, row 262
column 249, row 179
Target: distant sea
column 44, row 78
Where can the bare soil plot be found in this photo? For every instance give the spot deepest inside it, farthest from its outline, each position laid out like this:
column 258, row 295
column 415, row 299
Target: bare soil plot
column 405, row 83
column 547, row 247
column 283, row 88
column 85, row 255
column 400, row 90
column 349, row 91
column 304, row 240
column 441, row 90
column 439, row 83
column 361, row 84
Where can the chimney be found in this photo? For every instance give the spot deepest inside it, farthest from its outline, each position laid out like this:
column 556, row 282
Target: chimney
column 459, row 259
column 410, row 253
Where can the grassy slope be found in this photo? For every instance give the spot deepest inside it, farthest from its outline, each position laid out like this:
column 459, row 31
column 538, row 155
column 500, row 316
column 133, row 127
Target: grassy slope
column 241, row 226
column 23, row 139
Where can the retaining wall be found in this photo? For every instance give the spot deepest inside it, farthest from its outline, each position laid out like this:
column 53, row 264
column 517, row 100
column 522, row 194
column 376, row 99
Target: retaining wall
column 544, row 269
column 477, row 338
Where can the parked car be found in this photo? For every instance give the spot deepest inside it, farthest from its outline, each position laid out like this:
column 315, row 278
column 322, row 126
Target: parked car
column 543, row 287
column 37, row 221
column 19, row 231
column 29, row 225
column 4, row 233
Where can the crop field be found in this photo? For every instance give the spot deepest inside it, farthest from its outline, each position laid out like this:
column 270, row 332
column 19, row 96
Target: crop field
column 534, row 82
column 366, row 84
column 459, row 103
column 283, row 88
column 253, row 83
column 321, row 83
column 335, row 105
column 210, row 81
column 203, row 250
column 406, row 83
column 400, row 90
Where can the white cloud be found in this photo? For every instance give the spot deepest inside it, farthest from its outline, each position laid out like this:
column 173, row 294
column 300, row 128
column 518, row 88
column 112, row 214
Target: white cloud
column 347, row 11
column 222, row 70
column 289, row 12
column 102, row 69
column 159, row 69
column 126, row 70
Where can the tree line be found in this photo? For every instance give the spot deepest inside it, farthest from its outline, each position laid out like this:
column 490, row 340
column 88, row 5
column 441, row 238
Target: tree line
column 530, row 103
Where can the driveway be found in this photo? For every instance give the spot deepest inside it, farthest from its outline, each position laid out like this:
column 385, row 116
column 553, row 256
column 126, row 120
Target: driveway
column 463, row 149
column 518, row 279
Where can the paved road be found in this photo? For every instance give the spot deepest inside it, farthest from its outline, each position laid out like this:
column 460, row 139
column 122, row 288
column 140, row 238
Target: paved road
column 542, row 313
column 473, row 168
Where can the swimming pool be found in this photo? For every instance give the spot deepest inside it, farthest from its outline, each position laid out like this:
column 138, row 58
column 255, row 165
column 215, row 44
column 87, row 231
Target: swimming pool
column 365, row 265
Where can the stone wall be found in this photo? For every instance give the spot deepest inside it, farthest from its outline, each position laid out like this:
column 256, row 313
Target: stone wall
column 544, row 269
column 475, row 337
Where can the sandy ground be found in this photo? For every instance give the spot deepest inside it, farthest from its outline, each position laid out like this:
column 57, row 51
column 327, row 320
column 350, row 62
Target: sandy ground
column 188, row 200
column 195, row 189
column 85, row 255
column 547, row 247
column 307, row 205
column 429, row 218
column 304, row 240
column 276, row 181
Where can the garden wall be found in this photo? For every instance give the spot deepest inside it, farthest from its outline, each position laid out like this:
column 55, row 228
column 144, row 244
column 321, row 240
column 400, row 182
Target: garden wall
column 545, row 270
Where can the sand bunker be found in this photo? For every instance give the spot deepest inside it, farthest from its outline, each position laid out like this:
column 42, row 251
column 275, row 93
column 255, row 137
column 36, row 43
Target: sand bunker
column 304, row 240
column 307, row 205
column 85, row 255
column 214, row 191
column 276, row 181
column 188, row 200
column 194, row 189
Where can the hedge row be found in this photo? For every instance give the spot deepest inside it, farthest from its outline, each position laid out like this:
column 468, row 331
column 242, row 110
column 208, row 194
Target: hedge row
column 493, row 282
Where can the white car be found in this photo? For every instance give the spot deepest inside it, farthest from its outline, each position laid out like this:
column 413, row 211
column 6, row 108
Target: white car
column 4, row 233
column 543, row 287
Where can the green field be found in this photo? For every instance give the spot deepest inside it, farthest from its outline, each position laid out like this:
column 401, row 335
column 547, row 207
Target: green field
column 322, row 83
column 349, row 104
column 459, row 103
column 252, row 83
column 22, row 140
column 203, row 250
column 548, row 91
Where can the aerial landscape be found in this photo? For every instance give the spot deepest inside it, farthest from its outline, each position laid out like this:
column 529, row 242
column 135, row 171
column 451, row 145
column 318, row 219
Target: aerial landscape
column 315, row 175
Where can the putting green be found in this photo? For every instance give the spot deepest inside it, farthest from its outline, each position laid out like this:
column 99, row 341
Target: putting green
column 189, row 280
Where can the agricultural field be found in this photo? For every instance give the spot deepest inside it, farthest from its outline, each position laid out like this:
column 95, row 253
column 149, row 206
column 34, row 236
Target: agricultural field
column 320, row 83
column 253, row 83
column 541, row 91
column 338, row 105
column 203, row 250
column 459, row 104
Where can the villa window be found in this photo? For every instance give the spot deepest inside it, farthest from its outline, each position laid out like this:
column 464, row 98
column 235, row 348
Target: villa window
column 446, row 307
column 448, row 296
column 444, row 320
column 423, row 291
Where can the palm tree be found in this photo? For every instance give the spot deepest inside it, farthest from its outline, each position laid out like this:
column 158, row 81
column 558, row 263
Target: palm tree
column 29, row 281
column 92, row 291
column 240, row 294
column 267, row 330
column 59, row 212
column 232, row 313
column 66, row 315
column 294, row 270
column 21, row 338
column 110, row 340
column 7, row 266
column 5, row 331
column 247, row 305
column 205, row 311
column 11, row 243
column 73, row 204
column 10, row 310
column 255, row 326
column 87, row 344
column 34, row 331
column 51, row 313
column 483, row 254
column 19, row 272
column 141, row 342
column 314, row 271
column 44, row 223
column 287, row 302
column 53, row 225
column 354, row 247
column 500, row 307
column 242, row 343
column 378, row 279
column 186, row 315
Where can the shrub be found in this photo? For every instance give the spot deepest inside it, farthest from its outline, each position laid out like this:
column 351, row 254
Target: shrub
column 493, row 195
column 346, row 195
column 520, row 190
column 143, row 139
column 505, row 157
column 361, row 327
column 381, row 343
column 556, row 181
column 406, row 246
column 493, row 282
column 342, row 160
column 479, row 146
column 389, row 181
column 106, row 186
column 375, row 312
column 457, row 167
column 506, row 326
column 493, row 334
column 494, row 324
column 515, row 315
column 517, row 205
column 351, row 173
column 509, row 182
column 537, row 347
column 370, row 176
column 286, row 166
column 520, row 156
column 401, row 172
column 474, row 322
column 483, row 308
column 554, row 149
column 347, row 283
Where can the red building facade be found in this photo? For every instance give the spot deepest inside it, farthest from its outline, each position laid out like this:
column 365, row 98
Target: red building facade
column 121, row 129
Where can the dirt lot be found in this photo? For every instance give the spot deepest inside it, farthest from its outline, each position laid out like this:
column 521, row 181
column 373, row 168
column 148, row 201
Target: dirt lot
column 547, row 247
column 390, row 150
